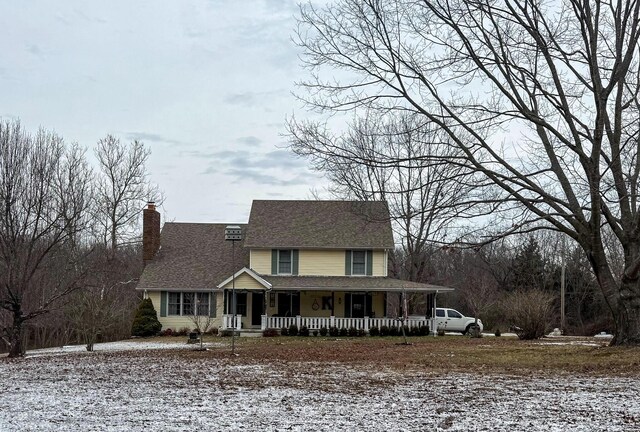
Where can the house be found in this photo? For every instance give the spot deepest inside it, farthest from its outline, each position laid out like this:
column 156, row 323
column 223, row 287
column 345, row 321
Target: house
column 309, row 263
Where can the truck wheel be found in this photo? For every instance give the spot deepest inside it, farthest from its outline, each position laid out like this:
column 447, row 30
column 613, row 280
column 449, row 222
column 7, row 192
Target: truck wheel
column 468, row 329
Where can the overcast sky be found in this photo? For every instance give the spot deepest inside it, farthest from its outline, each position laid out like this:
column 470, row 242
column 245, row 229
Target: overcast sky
column 205, row 84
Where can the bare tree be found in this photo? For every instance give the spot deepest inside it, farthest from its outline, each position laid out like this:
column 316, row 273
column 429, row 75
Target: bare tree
column 540, row 98
column 44, row 194
column 200, row 316
column 122, row 190
column 107, row 301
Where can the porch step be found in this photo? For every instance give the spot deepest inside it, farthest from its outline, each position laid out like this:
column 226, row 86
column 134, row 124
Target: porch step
column 251, row 333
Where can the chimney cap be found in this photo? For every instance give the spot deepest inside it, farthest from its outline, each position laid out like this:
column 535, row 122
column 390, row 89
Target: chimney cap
column 151, row 205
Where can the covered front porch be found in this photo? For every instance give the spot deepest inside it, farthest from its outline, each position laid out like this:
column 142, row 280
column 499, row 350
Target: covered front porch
column 265, row 301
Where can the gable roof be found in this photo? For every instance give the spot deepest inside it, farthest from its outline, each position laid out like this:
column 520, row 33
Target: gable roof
column 192, row 256
column 319, row 224
column 244, row 270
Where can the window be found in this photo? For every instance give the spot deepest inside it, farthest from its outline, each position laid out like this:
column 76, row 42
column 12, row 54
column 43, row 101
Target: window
column 440, row 313
column 184, row 303
column 187, row 303
column 174, row 303
column 284, row 262
column 358, row 262
column 454, row 314
column 203, row 304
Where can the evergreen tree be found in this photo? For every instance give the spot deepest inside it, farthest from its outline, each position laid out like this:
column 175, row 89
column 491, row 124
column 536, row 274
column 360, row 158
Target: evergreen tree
column 146, row 321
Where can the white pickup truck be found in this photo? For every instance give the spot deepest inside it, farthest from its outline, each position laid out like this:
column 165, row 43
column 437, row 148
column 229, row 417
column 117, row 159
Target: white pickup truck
column 454, row 321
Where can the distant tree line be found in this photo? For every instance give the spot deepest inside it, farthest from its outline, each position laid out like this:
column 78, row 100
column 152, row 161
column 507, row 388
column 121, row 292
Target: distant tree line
column 69, row 246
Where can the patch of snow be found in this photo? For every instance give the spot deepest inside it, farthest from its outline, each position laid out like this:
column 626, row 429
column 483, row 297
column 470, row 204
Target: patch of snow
column 134, row 386
column 603, row 335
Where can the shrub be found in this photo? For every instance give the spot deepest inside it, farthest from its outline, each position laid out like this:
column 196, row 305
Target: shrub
column 424, row 330
column 353, row 332
column 284, row 331
column 498, row 334
column 333, row 331
column 393, row 331
column 167, row 332
column 293, row 330
column 213, row 331
column 304, row 331
column 361, row 333
column 374, row 331
column 415, row 331
column 344, row 332
column 145, row 322
column 183, row 331
column 315, row 332
column 529, row 312
column 323, row 331
column 384, row 331
column 270, row 332
column 407, row 332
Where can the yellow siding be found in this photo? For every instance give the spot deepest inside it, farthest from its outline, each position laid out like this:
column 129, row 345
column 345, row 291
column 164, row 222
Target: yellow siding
column 244, row 281
column 317, row 262
column 179, row 322
column 261, row 261
column 379, row 263
column 321, row 263
column 307, row 299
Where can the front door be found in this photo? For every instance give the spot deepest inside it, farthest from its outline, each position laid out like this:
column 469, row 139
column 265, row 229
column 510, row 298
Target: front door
column 357, row 305
column 257, row 308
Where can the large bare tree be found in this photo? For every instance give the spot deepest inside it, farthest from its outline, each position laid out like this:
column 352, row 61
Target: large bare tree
column 122, row 190
column 44, row 194
column 540, row 97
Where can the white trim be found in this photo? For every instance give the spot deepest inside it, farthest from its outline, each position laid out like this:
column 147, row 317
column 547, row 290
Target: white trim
column 251, row 273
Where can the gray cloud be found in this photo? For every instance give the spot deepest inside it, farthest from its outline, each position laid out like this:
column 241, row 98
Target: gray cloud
column 35, row 50
column 249, row 141
column 273, row 168
column 250, row 99
column 146, row 136
column 264, row 179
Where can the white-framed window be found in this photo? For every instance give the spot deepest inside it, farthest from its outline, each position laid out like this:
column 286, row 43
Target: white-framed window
column 184, row 303
column 285, row 260
column 358, row 262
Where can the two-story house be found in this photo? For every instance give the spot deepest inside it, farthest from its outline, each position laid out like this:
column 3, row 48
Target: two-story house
column 312, row 263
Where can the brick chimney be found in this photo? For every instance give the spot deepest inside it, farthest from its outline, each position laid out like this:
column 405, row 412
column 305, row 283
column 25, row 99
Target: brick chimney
column 150, row 232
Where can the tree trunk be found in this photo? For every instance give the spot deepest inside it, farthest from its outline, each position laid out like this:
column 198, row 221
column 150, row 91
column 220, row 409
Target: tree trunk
column 16, row 348
column 628, row 316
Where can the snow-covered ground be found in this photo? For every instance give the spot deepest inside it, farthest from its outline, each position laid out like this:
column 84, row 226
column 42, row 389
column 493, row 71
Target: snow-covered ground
column 136, row 386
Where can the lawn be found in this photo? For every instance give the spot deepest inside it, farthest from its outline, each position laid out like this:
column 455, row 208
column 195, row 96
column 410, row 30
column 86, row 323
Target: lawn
column 284, row 383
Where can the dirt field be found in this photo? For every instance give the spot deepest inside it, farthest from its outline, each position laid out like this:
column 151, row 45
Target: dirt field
column 455, row 384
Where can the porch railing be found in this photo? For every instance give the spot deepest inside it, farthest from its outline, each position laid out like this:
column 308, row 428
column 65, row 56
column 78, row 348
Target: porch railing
column 227, row 322
column 359, row 323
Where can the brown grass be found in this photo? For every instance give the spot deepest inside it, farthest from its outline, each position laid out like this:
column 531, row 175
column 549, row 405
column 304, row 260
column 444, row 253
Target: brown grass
column 441, row 355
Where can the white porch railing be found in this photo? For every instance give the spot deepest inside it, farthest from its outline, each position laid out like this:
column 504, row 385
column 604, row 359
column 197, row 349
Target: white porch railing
column 227, row 322
column 359, row 323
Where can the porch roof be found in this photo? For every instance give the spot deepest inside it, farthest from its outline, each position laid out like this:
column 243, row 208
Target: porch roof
column 349, row 283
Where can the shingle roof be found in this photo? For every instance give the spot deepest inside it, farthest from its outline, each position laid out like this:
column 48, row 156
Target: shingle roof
column 346, row 283
column 192, row 256
column 319, row 224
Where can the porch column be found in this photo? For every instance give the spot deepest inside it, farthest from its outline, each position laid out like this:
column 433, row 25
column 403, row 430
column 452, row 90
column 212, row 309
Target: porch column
column 263, row 323
column 298, row 321
column 332, row 321
column 366, row 323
